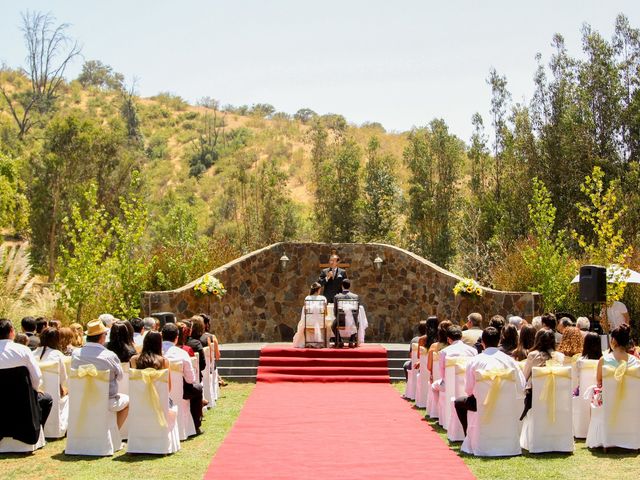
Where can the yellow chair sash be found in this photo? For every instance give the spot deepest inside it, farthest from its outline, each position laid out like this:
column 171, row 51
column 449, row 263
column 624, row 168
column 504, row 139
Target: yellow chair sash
column 89, row 373
column 620, row 374
column 51, row 367
column 548, row 393
column 495, row 376
column 176, row 366
column 149, row 376
column 456, row 361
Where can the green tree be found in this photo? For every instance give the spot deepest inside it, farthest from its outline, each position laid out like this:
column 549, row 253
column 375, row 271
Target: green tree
column 14, row 206
column 96, row 74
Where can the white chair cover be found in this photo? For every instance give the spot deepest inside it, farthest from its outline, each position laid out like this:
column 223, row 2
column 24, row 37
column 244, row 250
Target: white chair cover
column 586, row 372
column 410, row 389
column 454, row 388
column 93, row 429
column 433, row 406
column 617, row 422
column 152, row 424
column 422, row 380
column 207, row 378
column 186, row 427
column 348, row 307
column 56, row 426
column 493, row 430
column 11, row 445
column 123, row 387
column 548, row 426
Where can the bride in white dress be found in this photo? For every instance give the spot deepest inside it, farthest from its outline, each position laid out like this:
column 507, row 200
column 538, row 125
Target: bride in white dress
column 316, row 308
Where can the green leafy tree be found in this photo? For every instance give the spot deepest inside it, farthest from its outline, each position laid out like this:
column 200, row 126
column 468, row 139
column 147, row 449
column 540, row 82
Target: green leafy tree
column 96, row 74
column 14, row 206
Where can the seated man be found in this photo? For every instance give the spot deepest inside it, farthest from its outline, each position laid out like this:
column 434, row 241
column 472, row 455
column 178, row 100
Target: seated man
column 456, row 348
column 192, row 390
column 474, row 329
column 490, row 359
column 14, row 355
column 138, row 336
column 95, row 353
column 29, row 329
column 340, row 317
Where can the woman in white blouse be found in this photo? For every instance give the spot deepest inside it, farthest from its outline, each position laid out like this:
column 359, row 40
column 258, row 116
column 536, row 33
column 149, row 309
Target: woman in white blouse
column 49, row 351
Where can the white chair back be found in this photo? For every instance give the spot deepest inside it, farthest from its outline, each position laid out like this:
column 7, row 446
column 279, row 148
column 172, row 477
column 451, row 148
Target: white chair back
column 422, row 380
column 56, row 426
column 186, row 427
column 433, row 409
column 617, row 422
column 454, row 388
column 586, row 373
column 493, row 431
column 152, row 424
column 123, row 383
column 93, row 429
column 208, row 389
column 410, row 389
column 548, row 426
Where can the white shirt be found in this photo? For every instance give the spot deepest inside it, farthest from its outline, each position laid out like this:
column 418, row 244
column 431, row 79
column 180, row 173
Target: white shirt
column 471, row 336
column 492, row 359
column 456, row 349
column 103, row 359
column 16, row 355
column 138, row 338
column 53, row 355
column 615, row 314
column 174, row 353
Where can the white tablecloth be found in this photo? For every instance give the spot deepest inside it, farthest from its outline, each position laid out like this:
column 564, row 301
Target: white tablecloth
column 314, row 320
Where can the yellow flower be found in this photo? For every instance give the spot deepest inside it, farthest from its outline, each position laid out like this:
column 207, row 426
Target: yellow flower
column 469, row 289
column 478, row 291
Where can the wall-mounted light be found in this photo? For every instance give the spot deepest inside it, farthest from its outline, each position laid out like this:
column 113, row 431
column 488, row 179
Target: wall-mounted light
column 284, row 260
column 378, row 263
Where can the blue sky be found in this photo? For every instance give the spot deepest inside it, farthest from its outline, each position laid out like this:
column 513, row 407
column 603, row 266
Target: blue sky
column 400, row 63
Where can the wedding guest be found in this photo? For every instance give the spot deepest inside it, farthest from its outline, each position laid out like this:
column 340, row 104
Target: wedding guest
column 119, row 342
column 183, row 334
column 149, row 324
column 516, row 321
column 436, row 347
column 54, row 324
column 592, row 347
column 108, row 320
column 208, row 338
column 544, row 350
column 549, row 322
column 491, row 358
column 22, row 339
column 50, row 351
column 571, row 343
column 620, row 340
column 78, row 335
column 456, row 348
column 66, row 340
column 14, row 355
column 422, row 330
column 138, row 327
column 151, row 354
column 537, row 322
column 616, row 315
column 95, row 353
column 193, row 342
column 41, row 324
column 583, row 325
column 497, row 322
column 29, row 328
column 525, row 342
column 563, row 323
column 130, row 332
column 192, row 390
column 474, row 329
column 508, row 339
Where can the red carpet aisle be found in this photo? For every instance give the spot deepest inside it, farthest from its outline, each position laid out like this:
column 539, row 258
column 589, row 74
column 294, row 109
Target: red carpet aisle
column 338, row 430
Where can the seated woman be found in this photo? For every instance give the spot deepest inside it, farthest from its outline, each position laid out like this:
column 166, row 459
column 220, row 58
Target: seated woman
column 543, row 352
column 571, row 343
column 49, row 351
column 620, row 339
column 315, row 308
column 119, row 342
column 508, row 339
column 526, row 340
column 437, row 346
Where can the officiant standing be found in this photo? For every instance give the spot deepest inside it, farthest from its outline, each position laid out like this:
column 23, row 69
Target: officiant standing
column 331, row 278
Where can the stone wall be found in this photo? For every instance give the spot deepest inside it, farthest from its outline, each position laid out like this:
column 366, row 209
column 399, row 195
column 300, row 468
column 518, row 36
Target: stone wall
column 263, row 301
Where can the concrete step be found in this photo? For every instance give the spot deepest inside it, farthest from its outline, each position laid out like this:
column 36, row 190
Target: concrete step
column 241, row 378
column 238, row 371
column 237, row 362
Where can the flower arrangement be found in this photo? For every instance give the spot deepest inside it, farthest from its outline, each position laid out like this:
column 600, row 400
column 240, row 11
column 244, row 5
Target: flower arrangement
column 209, row 285
column 468, row 288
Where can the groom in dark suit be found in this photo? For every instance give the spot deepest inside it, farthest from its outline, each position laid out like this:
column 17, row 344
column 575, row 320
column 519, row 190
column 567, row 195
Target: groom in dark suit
column 331, row 278
column 340, row 317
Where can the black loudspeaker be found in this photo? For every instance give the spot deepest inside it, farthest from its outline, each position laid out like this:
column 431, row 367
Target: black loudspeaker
column 593, row 284
column 164, row 317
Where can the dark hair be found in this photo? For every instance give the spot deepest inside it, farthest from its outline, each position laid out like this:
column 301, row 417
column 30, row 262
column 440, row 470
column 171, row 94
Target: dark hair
column 549, row 320
column 432, row 330
column 54, row 324
column 206, row 318
column 28, row 324
column 41, row 324
column 315, row 288
column 5, row 328
column 50, row 337
column 545, row 341
column 169, row 332
column 151, row 354
column 525, row 342
column 497, row 322
column 592, row 347
column 442, row 331
column 137, row 324
column 490, row 337
column 422, row 327
column 21, row 338
column 94, row 338
column 346, row 284
column 130, row 331
column 621, row 335
column 454, row 332
column 119, row 341
column 509, row 338
column 197, row 327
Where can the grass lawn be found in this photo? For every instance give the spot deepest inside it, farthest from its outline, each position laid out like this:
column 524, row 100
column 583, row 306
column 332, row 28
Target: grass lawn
column 189, row 463
column 582, row 464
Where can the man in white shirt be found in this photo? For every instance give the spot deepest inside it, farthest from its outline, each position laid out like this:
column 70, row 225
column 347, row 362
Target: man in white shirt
column 95, row 353
column 474, row 329
column 490, row 359
column 15, row 355
column 617, row 314
column 138, row 328
column 192, row 390
column 456, row 348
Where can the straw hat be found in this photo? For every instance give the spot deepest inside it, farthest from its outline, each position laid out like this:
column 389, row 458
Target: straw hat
column 95, row 327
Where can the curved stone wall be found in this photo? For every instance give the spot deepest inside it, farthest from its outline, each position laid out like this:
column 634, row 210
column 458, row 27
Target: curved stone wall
column 263, row 301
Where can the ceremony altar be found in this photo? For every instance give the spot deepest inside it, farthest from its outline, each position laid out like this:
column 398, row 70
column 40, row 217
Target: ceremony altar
column 319, row 333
